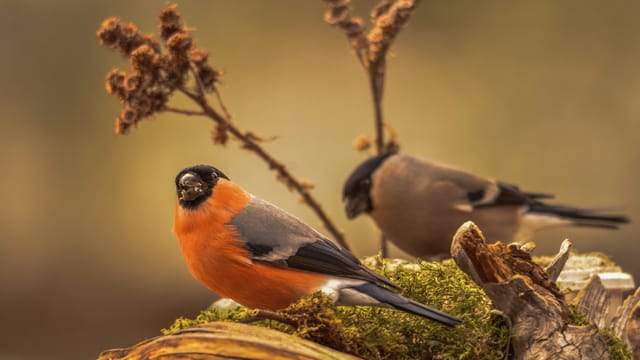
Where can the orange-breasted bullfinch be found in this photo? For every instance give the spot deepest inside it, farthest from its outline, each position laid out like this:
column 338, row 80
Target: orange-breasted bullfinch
column 419, row 205
column 251, row 251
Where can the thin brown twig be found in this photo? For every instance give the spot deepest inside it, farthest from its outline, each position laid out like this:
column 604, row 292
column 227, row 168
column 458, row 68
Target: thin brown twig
column 251, row 144
column 258, row 315
column 221, row 103
column 376, row 82
column 184, row 111
column 199, row 87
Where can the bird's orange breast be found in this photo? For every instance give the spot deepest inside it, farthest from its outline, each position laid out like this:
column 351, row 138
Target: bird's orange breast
column 218, row 258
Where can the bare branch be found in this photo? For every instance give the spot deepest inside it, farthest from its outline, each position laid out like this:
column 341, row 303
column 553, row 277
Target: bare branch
column 184, row 111
column 159, row 69
column 250, row 143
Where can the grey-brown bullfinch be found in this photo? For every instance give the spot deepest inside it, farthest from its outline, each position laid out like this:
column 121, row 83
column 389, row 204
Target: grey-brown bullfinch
column 419, row 205
column 261, row 256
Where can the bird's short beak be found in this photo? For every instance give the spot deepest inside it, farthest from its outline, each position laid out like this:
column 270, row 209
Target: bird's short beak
column 191, row 187
column 355, row 205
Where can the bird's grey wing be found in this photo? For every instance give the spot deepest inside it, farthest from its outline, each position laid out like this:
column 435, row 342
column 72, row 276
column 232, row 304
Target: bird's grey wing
column 505, row 194
column 278, row 238
column 484, row 192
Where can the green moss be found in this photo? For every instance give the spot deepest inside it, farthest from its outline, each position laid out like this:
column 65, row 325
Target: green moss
column 576, row 317
column 378, row 333
column 617, row 348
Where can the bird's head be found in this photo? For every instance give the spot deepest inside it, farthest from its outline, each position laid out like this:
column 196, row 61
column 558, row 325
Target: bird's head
column 356, row 193
column 195, row 184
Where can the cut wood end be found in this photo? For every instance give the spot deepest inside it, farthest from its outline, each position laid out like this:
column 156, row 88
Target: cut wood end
column 463, row 250
column 497, row 262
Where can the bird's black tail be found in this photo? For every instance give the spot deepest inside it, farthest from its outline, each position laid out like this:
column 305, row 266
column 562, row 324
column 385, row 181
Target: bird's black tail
column 391, row 299
column 580, row 217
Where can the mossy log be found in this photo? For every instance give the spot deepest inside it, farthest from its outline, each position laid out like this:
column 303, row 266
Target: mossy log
column 626, row 323
column 528, row 296
column 225, row 340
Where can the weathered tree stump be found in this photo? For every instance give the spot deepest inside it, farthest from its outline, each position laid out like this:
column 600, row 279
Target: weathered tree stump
column 593, row 301
column 226, row 340
column 528, row 296
column 626, row 323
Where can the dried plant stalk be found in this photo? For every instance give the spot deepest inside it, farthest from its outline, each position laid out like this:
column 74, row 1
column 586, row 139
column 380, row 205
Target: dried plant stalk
column 387, row 19
column 155, row 75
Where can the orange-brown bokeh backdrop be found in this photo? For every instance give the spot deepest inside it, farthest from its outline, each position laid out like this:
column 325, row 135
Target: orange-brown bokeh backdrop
column 544, row 94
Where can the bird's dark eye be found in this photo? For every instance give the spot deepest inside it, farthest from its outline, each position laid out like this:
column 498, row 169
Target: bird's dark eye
column 214, row 174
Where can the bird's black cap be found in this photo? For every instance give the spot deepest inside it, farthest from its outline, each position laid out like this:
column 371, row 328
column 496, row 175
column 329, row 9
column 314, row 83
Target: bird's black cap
column 356, row 190
column 195, row 184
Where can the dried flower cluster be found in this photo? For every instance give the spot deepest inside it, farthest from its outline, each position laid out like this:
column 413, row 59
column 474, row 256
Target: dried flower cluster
column 154, row 74
column 353, row 26
column 371, row 47
column 387, row 19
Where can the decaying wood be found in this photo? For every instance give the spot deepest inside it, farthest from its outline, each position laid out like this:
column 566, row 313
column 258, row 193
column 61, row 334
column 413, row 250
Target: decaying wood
column 225, row 340
column 626, row 323
column 558, row 262
column 593, row 301
column 526, row 293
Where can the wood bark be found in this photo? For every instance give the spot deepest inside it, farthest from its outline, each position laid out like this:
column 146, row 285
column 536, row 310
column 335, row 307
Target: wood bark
column 528, row 296
column 626, row 323
column 593, row 301
column 226, row 340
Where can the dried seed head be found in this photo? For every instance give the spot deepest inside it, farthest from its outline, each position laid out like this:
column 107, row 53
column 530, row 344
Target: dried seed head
column 109, row 32
column 219, row 134
column 353, row 27
column 132, row 82
column 130, row 38
column 155, row 72
column 170, row 21
column 158, row 99
column 380, row 9
column 339, row 15
column 129, row 115
column 151, row 41
column 208, row 76
column 114, row 82
column 388, row 19
column 198, row 56
column 336, row 15
column 144, row 59
column 180, row 42
column 121, row 128
column 361, row 143
column 307, row 184
column 143, row 105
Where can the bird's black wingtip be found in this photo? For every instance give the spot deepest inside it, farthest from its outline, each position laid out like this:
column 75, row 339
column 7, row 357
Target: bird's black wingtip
column 580, row 216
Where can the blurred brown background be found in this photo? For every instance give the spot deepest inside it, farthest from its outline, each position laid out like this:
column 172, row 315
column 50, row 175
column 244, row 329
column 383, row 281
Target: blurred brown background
column 545, row 94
